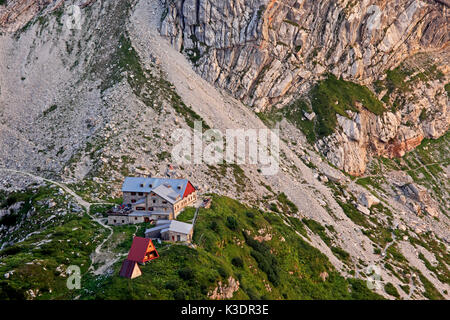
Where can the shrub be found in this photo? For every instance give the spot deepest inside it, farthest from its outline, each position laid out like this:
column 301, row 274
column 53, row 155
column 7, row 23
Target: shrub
column 391, row 290
column 214, row 226
column 172, row 285
column 287, row 205
column 186, row 273
column 7, row 292
column 340, row 253
column 237, row 262
column 232, row 223
column 179, row 295
column 266, row 261
column 222, row 272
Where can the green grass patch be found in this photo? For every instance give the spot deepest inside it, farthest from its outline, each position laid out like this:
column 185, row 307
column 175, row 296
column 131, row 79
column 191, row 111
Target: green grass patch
column 335, row 96
column 226, row 245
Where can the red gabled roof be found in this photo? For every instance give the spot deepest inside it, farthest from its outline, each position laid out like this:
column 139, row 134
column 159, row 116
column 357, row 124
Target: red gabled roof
column 189, row 189
column 140, row 248
column 127, row 269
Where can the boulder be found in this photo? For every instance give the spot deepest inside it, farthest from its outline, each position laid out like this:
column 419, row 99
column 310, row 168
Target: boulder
column 367, row 199
column 363, row 209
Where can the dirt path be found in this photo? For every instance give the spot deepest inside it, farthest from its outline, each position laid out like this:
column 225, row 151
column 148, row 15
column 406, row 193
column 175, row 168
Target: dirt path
column 383, row 254
column 87, row 205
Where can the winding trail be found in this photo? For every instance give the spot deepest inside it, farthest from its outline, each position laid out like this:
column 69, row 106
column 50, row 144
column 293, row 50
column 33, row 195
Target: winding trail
column 87, row 206
column 383, row 254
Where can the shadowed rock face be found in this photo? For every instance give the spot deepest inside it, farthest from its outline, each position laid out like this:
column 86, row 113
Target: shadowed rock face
column 263, row 51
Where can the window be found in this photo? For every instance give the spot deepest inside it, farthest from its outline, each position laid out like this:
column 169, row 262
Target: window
column 178, row 238
column 140, row 208
column 135, row 218
column 115, row 221
column 123, row 221
column 150, row 209
column 133, row 200
column 150, row 185
column 179, row 187
column 133, row 193
column 142, row 185
column 140, row 194
column 154, row 201
column 164, row 201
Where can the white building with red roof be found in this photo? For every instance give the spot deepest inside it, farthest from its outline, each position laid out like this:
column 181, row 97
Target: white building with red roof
column 152, row 199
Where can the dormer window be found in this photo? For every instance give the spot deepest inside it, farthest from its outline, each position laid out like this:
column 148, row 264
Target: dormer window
column 142, row 185
column 150, row 185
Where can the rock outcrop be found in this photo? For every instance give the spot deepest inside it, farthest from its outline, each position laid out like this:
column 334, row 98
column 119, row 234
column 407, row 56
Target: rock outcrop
column 15, row 14
column 224, row 291
column 363, row 134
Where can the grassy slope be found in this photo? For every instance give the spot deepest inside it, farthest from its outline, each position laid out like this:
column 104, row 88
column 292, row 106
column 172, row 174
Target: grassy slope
column 285, row 263
column 403, row 78
column 66, row 239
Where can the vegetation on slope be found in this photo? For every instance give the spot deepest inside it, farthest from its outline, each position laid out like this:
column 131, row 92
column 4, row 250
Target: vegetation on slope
column 335, row 96
column 280, row 265
column 329, row 97
column 52, row 239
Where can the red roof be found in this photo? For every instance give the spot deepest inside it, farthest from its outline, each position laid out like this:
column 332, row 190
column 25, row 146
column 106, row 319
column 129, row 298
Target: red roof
column 127, row 269
column 189, row 189
column 142, row 250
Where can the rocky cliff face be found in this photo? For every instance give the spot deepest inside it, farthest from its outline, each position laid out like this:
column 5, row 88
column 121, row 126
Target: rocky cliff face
column 268, row 52
column 15, row 14
column 252, row 48
column 263, row 51
column 423, row 113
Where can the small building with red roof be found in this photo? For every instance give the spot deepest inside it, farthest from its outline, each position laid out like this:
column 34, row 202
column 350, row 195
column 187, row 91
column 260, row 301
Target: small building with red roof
column 130, row 269
column 142, row 250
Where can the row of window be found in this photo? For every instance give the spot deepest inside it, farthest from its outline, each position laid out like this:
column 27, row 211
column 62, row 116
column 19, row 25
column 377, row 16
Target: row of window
column 154, row 201
column 149, row 209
